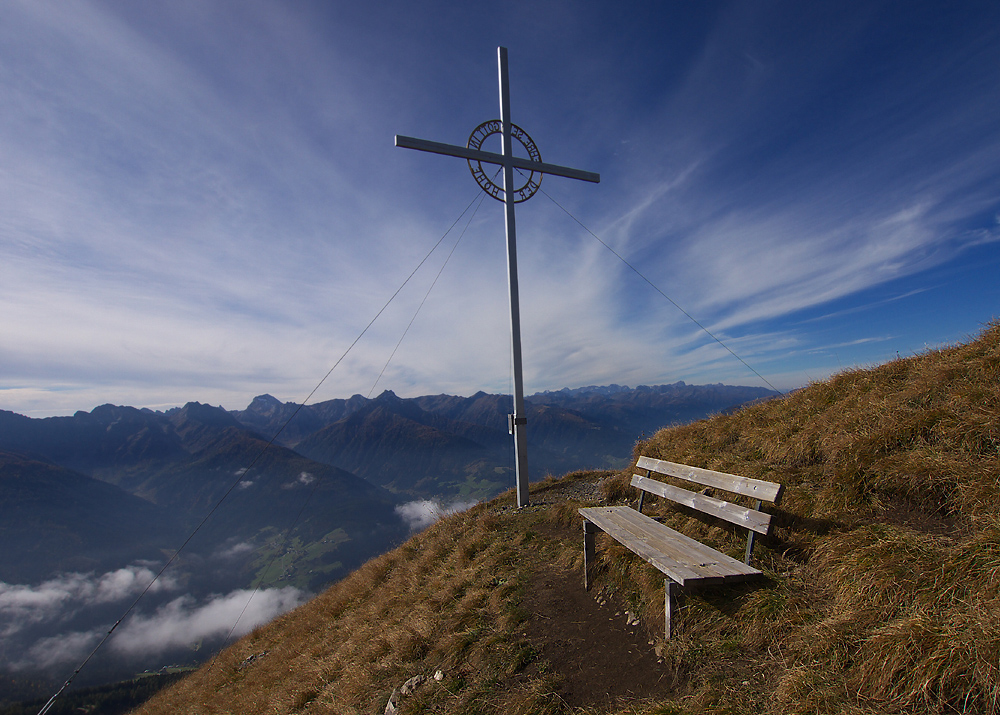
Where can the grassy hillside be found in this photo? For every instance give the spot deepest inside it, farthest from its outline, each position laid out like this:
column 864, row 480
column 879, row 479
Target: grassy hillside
column 882, row 591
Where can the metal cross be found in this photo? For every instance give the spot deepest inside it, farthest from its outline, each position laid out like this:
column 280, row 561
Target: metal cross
column 510, row 195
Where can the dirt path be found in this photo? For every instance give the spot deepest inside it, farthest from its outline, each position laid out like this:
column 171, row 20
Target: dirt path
column 598, row 656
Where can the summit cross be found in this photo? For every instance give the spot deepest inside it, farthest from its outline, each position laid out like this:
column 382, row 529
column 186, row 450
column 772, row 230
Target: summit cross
column 509, row 195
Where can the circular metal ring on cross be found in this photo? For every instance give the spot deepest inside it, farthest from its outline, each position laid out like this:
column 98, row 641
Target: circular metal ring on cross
column 476, row 139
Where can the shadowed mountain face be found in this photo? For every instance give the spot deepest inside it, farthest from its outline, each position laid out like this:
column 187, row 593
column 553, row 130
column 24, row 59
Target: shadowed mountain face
column 54, row 519
column 110, row 442
column 267, row 415
column 282, row 489
column 394, row 443
column 134, row 482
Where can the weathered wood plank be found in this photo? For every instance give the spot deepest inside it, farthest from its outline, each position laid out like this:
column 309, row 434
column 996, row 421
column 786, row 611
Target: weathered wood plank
column 756, row 488
column 750, row 537
column 734, row 513
column 701, row 562
column 694, row 554
column 681, row 558
column 668, row 606
column 677, row 570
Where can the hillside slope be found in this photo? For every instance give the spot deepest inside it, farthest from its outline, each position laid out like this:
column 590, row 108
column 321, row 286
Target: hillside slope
column 882, row 588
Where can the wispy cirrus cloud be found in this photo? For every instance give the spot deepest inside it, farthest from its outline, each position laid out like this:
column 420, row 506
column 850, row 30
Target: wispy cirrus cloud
column 202, row 202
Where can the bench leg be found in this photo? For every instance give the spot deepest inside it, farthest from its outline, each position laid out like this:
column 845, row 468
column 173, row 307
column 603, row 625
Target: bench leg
column 589, row 551
column 750, row 540
column 751, row 537
column 668, row 604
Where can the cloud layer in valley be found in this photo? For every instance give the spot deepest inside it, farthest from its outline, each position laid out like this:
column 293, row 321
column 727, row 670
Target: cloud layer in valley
column 41, row 624
column 420, row 514
column 60, row 598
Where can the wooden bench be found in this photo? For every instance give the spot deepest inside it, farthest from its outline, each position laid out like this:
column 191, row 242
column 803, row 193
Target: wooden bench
column 684, row 561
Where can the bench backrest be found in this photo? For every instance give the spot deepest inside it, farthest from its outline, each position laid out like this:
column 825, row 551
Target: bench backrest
column 751, row 519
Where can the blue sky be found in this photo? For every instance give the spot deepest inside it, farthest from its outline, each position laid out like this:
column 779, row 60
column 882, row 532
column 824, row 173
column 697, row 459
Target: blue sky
column 202, row 201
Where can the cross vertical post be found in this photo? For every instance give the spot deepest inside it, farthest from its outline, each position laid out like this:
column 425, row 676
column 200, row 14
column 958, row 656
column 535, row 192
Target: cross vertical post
column 511, row 194
column 519, row 418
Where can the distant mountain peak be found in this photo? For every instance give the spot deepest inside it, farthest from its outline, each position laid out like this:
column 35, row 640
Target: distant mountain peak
column 109, row 411
column 605, row 390
column 265, row 400
column 208, row 415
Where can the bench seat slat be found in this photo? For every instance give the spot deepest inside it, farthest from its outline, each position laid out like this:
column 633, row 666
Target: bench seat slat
column 683, row 548
column 675, row 570
column 683, row 559
column 756, row 488
column 699, row 566
column 734, row 513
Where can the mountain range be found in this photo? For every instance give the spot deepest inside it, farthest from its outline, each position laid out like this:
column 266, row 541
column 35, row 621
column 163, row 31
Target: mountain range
column 90, row 490
column 450, row 446
column 94, row 503
column 103, row 486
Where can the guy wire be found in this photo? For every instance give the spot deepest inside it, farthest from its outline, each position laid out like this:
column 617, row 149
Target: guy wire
column 48, row 705
column 427, row 294
column 657, row 289
column 312, row 492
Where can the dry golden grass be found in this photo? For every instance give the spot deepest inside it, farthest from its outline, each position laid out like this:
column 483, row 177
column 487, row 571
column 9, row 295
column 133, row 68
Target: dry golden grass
column 885, row 564
column 882, row 591
column 447, row 599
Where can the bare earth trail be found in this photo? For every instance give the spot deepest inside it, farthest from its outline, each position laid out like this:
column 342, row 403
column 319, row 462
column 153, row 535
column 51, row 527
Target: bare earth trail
column 580, row 636
column 600, row 658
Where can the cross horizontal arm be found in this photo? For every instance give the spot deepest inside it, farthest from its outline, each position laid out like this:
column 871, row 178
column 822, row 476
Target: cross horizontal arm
column 499, row 159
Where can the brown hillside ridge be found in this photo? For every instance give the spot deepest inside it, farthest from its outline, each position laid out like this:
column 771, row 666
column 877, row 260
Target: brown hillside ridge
column 881, row 595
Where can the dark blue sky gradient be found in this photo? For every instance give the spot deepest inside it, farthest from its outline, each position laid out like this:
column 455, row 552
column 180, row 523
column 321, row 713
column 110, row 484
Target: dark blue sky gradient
column 202, row 200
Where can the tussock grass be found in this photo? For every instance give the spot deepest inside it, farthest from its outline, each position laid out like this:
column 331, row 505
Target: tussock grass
column 882, row 588
column 448, row 599
column 885, row 566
